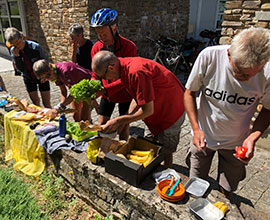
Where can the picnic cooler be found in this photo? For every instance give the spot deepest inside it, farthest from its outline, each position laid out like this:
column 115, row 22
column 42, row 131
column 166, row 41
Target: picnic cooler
column 131, row 172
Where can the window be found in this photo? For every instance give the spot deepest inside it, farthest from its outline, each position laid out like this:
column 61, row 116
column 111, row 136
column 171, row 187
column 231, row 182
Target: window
column 220, row 12
column 10, row 16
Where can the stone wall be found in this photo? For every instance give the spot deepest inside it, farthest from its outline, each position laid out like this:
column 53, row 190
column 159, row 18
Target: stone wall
column 138, row 19
column 244, row 14
column 240, row 15
column 48, row 22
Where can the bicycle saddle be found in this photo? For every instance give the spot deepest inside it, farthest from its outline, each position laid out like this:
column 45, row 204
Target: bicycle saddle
column 208, row 34
column 167, row 41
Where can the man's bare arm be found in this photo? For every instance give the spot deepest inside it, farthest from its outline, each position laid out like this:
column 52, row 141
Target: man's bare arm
column 191, row 109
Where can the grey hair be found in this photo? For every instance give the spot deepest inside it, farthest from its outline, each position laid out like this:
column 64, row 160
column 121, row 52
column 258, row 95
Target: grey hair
column 251, row 48
column 40, row 67
column 75, row 29
column 12, row 34
column 102, row 59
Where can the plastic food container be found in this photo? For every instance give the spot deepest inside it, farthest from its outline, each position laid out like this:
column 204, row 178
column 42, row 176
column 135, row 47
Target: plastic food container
column 179, row 191
column 196, row 186
column 205, row 210
column 108, row 135
column 74, row 130
column 93, row 149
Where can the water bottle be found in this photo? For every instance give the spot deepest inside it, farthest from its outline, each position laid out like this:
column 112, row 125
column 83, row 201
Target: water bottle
column 62, row 125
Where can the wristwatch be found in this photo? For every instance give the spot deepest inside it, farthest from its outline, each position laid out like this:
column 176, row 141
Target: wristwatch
column 60, row 107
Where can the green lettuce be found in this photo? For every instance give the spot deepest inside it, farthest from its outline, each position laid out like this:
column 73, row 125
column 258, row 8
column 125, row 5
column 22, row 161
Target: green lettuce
column 74, row 128
column 85, row 90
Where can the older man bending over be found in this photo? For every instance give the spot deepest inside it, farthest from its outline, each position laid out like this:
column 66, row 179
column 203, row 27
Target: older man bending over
column 157, row 97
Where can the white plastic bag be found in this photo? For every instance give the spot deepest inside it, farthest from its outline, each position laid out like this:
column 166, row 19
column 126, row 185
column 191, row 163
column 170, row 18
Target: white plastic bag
column 166, row 174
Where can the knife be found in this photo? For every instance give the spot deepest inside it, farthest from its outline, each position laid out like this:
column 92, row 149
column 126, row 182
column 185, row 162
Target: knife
column 174, row 186
column 171, row 183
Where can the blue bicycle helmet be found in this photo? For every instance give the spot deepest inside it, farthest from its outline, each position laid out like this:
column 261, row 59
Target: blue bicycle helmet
column 104, row 17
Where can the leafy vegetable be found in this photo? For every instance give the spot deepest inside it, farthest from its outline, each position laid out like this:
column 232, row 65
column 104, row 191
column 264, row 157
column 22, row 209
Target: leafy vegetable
column 85, row 90
column 74, row 128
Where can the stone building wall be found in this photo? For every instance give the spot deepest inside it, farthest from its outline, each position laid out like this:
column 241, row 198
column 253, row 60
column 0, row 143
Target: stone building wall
column 138, row 19
column 48, row 22
column 243, row 14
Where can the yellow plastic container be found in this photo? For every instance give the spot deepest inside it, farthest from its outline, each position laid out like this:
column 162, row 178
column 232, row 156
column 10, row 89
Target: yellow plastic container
column 93, row 149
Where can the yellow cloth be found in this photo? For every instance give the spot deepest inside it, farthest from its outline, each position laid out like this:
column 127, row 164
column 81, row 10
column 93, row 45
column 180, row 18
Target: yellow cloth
column 21, row 144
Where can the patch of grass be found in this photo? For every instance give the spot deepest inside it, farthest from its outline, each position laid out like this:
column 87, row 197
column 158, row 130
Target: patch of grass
column 16, row 201
column 52, row 192
column 47, row 198
column 98, row 217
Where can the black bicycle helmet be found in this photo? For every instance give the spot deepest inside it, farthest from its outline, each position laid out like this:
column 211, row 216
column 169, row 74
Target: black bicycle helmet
column 104, row 17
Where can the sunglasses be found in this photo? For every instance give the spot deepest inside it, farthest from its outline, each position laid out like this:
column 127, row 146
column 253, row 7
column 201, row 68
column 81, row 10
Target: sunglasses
column 44, row 77
column 104, row 75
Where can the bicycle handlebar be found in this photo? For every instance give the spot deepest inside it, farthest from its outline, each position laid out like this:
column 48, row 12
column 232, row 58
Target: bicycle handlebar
column 163, row 42
column 168, row 43
column 157, row 42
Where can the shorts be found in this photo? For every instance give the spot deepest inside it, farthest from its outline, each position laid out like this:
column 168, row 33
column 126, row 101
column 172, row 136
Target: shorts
column 31, row 85
column 230, row 170
column 106, row 107
column 169, row 139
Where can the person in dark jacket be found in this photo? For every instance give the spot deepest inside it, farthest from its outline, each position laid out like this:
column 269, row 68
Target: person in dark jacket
column 82, row 47
column 24, row 53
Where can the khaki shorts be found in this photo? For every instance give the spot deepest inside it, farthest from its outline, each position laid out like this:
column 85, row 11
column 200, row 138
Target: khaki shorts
column 230, row 170
column 169, row 139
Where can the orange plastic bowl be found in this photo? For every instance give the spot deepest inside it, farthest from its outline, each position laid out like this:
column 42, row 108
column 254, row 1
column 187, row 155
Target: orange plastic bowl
column 179, row 191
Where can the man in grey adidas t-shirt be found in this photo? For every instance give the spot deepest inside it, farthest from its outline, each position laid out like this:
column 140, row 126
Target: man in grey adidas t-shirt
column 231, row 81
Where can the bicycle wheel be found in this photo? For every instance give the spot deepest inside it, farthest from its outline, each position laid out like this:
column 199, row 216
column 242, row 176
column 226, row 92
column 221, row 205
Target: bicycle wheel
column 182, row 69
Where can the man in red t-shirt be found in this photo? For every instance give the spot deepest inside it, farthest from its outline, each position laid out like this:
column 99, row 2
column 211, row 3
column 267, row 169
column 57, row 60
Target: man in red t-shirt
column 105, row 23
column 157, row 97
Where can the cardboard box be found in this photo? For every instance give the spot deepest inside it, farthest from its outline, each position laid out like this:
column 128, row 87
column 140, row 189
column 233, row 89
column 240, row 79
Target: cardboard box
column 99, row 146
column 131, row 172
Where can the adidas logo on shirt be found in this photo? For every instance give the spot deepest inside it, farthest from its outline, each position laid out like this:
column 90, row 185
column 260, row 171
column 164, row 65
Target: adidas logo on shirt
column 232, row 99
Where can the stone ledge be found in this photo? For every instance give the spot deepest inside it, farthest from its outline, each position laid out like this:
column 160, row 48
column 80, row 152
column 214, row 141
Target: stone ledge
column 110, row 194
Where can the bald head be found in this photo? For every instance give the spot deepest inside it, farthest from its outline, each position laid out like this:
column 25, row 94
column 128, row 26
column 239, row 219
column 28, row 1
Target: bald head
column 102, row 60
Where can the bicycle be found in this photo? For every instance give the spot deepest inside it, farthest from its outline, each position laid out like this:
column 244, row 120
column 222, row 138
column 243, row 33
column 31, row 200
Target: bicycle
column 177, row 58
column 213, row 37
